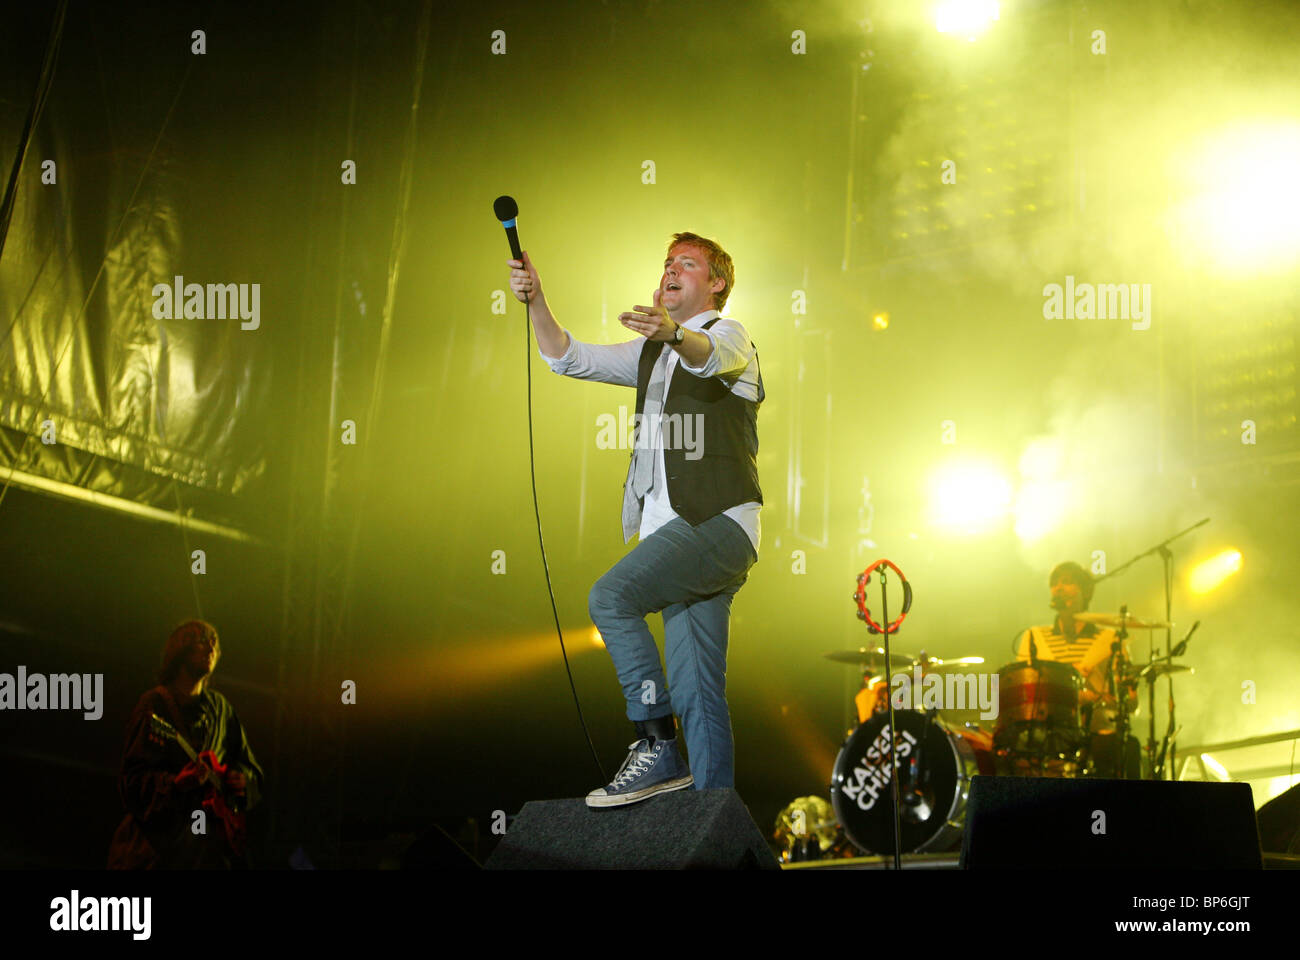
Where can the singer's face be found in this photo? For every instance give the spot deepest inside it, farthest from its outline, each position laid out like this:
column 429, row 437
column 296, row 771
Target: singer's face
column 687, row 268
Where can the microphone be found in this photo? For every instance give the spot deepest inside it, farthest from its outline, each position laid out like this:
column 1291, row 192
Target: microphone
column 1062, row 605
column 507, row 212
column 1179, row 650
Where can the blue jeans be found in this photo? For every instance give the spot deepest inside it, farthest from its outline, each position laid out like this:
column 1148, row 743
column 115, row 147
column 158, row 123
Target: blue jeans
column 691, row 574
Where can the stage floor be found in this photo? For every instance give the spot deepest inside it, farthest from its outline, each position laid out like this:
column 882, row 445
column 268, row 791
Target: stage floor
column 949, row 861
column 910, row 861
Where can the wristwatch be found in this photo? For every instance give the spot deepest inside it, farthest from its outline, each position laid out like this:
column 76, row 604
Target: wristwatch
column 680, row 335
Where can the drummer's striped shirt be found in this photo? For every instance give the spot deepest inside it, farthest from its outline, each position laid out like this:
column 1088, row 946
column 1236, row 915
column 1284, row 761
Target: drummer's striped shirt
column 1089, row 652
column 1090, row 646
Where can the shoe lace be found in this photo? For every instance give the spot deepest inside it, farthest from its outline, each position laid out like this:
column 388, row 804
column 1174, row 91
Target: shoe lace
column 637, row 763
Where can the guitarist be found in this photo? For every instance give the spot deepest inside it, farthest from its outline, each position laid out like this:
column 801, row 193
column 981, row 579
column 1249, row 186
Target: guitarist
column 161, row 787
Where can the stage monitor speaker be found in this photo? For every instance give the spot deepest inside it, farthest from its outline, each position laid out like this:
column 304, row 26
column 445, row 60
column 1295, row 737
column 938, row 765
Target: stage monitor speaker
column 1279, row 823
column 683, row 830
column 1114, row 824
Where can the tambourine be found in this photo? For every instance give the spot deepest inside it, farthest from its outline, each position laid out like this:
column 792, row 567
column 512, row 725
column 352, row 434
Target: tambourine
column 860, row 596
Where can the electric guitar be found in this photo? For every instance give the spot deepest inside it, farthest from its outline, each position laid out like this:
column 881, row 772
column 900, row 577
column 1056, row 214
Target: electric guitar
column 214, row 787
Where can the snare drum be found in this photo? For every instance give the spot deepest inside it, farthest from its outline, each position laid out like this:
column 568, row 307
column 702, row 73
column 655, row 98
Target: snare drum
column 1046, row 692
column 1038, row 731
column 935, row 764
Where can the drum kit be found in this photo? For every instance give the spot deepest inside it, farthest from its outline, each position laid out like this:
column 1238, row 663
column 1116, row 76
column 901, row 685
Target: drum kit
column 905, row 789
column 1049, row 723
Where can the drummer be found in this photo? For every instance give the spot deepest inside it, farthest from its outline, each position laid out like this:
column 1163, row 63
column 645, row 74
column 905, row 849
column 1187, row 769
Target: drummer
column 1084, row 646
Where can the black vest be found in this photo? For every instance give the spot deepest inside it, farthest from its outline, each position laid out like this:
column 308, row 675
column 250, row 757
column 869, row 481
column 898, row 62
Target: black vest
column 727, row 473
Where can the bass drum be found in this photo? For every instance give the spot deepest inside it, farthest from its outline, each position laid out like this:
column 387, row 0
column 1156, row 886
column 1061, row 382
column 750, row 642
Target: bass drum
column 935, row 764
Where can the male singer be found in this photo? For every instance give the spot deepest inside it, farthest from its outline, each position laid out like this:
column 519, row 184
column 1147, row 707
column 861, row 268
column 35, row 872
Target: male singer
column 696, row 510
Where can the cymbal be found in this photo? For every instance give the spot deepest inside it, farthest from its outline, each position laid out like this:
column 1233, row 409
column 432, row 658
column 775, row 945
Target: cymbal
column 939, row 665
column 1159, row 668
column 1121, row 620
column 870, row 657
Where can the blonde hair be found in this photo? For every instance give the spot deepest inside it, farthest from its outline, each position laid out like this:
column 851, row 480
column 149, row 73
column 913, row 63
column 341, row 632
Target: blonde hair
column 720, row 264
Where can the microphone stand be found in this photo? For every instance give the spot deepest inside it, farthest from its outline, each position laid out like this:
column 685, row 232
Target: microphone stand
column 1167, row 560
column 893, row 732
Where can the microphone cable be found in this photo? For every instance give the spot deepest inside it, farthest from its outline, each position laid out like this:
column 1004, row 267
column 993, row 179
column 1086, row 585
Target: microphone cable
column 537, row 513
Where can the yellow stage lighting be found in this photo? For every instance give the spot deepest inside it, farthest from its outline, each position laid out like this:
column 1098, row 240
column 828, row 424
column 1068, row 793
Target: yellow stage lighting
column 1280, row 785
column 1241, row 209
column 1208, row 574
column 1043, row 499
column 969, row 497
column 1042, row 459
column 880, row 321
column 1040, row 507
column 965, row 18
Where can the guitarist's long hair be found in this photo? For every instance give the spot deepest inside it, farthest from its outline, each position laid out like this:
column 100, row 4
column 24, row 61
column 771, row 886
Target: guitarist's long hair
column 178, row 645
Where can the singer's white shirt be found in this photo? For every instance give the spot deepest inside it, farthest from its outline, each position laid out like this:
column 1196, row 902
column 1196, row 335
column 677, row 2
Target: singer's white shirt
column 733, row 356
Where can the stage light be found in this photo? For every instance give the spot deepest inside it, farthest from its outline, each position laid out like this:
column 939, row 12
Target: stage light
column 1242, row 212
column 596, row 638
column 965, row 18
column 880, row 321
column 1208, row 574
column 968, row 497
column 459, row 672
column 1216, row 769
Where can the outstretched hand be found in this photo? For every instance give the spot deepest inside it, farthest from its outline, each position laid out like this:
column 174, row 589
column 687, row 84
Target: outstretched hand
column 653, row 322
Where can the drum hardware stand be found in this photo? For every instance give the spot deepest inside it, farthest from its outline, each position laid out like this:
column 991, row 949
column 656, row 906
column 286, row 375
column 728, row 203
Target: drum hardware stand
column 1050, row 739
column 1171, row 733
column 1038, row 691
column 1167, row 559
column 860, row 596
column 918, row 752
column 1033, row 714
column 1046, row 727
column 1118, row 691
column 1157, row 766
